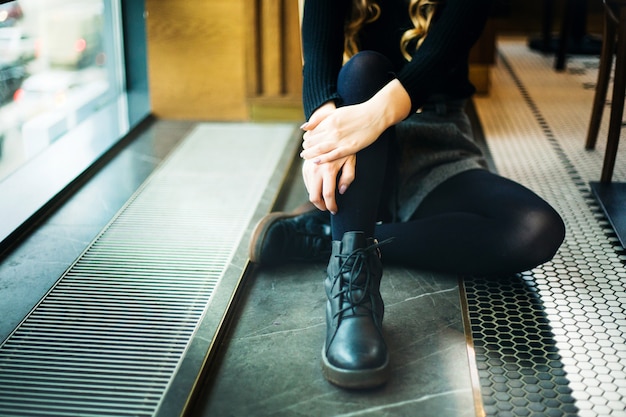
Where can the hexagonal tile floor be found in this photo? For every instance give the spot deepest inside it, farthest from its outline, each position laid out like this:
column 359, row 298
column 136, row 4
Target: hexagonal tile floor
column 552, row 341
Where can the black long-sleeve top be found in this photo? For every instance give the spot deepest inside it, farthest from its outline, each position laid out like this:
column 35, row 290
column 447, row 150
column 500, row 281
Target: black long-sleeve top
column 438, row 67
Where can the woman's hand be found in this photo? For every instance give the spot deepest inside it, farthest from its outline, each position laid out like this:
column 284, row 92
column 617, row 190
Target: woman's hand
column 333, row 136
column 343, row 132
column 321, row 181
column 333, row 133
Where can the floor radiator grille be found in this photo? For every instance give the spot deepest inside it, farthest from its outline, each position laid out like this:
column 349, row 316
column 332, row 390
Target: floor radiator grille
column 109, row 337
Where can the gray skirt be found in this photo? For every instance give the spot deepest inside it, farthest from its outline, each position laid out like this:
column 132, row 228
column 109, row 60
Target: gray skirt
column 430, row 146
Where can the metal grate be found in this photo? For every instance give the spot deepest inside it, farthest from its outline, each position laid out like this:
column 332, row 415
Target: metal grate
column 535, row 120
column 109, row 337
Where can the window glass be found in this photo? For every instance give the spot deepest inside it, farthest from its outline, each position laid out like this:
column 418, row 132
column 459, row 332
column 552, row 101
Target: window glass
column 59, row 64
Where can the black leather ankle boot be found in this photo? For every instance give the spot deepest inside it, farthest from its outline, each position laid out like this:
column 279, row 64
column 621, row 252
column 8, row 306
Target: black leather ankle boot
column 355, row 354
column 300, row 236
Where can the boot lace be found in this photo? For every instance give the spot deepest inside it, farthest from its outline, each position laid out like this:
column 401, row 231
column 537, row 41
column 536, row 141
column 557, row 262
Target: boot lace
column 356, row 294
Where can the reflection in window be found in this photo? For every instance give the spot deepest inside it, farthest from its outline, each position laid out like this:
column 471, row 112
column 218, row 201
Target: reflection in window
column 57, row 67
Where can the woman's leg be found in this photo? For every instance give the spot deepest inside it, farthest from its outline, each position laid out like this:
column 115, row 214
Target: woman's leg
column 476, row 223
column 360, row 79
column 355, row 354
column 286, row 237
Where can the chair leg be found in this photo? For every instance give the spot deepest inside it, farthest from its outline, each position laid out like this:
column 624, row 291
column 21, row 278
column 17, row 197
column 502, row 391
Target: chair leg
column 546, row 25
column 617, row 102
column 566, row 33
column 604, row 73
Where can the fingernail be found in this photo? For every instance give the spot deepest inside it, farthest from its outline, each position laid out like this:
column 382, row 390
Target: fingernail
column 342, row 189
column 317, row 161
column 333, row 212
column 304, row 125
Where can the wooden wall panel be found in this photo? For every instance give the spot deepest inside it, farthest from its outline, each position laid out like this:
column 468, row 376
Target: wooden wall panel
column 196, row 59
column 237, row 60
column 293, row 58
column 276, row 84
column 272, row 48
column 482, row 58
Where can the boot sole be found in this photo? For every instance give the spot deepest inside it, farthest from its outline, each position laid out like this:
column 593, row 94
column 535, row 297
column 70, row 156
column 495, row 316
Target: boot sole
column 261, row 228
column 354, row 379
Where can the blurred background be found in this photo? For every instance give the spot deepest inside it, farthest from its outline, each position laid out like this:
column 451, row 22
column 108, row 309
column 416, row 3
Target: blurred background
column 57, row 66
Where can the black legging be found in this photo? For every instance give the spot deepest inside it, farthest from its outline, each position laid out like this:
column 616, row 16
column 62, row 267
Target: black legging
column 473, row 223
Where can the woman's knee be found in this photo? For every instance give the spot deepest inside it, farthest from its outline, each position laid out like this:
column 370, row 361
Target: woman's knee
column 362, row 76
column 539, row 235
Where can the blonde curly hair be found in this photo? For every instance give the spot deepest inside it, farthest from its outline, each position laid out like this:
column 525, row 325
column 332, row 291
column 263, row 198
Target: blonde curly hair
column 367, row 11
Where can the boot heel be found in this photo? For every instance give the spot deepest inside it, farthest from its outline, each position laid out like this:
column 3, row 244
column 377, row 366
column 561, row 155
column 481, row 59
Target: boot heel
column 354, row 379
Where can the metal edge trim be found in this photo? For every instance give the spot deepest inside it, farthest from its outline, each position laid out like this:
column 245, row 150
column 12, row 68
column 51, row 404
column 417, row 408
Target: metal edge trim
column 471, row 353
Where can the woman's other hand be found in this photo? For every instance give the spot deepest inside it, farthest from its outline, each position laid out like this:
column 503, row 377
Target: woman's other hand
column 322, row 180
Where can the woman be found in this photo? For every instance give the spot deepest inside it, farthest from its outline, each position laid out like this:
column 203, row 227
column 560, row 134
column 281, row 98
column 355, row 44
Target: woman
column 388, row 153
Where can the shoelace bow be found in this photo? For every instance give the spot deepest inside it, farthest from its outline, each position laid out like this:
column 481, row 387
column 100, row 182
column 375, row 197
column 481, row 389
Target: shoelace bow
column 356, row 267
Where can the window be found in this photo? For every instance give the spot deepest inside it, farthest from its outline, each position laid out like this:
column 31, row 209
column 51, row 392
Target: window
column 64, row 99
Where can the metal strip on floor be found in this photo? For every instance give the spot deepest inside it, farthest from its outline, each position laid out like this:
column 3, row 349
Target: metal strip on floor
column 127, row 328
column 551, row 341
